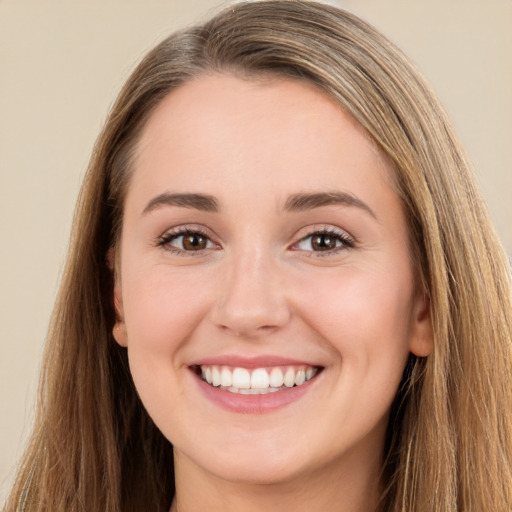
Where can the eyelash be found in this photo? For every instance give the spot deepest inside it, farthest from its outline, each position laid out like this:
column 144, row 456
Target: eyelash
column 165, row 240
column 347, row 242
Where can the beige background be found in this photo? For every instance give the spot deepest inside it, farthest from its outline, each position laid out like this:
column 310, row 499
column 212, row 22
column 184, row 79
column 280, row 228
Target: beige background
column 61, row 64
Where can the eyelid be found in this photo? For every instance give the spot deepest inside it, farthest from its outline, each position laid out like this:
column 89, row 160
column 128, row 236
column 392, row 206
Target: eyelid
column 181, row 230
column 348, row 241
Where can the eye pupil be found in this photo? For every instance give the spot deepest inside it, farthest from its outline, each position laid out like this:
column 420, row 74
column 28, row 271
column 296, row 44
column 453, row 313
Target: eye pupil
column 194, row 241
column 322, row 242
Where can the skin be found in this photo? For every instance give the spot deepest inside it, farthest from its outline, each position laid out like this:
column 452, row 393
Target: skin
column 259, row 286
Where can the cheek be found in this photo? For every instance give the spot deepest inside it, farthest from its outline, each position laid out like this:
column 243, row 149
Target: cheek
column 363, row 315
column 161, row 313
column 162, row 308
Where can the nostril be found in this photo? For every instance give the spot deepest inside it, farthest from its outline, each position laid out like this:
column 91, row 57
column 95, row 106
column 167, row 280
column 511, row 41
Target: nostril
column 250, row 303
column 248, row 332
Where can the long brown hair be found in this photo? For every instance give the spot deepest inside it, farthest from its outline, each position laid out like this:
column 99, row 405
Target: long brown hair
column 449, row 446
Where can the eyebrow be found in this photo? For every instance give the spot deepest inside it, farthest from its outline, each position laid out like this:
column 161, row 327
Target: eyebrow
column 308, row 201
column 201, row 202
column 296, row 203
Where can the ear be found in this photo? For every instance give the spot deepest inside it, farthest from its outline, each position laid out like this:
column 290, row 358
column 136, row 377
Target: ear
column 421, row 342
column 119, row 329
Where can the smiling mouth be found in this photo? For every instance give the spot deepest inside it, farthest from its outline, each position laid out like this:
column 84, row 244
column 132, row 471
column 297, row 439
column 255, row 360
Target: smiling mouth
column 256, row 381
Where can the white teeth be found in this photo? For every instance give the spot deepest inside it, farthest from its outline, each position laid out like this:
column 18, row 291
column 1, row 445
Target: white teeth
column 260, row 379
column 300, row 377
column 276, row 378
column 257, row 381
column 215, row 376
column 241, row 378
column 252, row 391
column 289, row 378
column 226, row 379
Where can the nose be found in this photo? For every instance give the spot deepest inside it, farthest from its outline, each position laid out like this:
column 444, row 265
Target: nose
column 252, row 299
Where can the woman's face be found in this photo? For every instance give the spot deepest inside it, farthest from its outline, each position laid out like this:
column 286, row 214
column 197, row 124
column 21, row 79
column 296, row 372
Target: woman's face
column 264, row 249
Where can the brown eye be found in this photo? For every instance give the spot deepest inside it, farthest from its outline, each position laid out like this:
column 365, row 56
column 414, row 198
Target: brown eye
column 323, row 242
column 194, row 242
column 186, row 241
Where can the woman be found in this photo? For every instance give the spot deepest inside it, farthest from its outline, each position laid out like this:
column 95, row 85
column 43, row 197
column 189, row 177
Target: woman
column 281, row 265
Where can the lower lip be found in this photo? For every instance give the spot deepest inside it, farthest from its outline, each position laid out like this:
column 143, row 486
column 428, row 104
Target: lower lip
column 254, row 404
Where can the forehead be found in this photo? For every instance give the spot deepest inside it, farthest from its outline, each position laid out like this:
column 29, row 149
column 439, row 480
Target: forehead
column 226, row 130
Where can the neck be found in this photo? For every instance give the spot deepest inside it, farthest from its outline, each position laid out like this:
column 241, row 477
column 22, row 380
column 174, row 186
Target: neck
column 343, row 486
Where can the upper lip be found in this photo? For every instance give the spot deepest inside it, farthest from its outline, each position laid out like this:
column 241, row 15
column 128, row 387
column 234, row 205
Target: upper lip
column 261, row 361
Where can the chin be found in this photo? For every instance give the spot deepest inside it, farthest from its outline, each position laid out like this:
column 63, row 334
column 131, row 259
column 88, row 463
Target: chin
column 269, row 473
column 257, row 466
